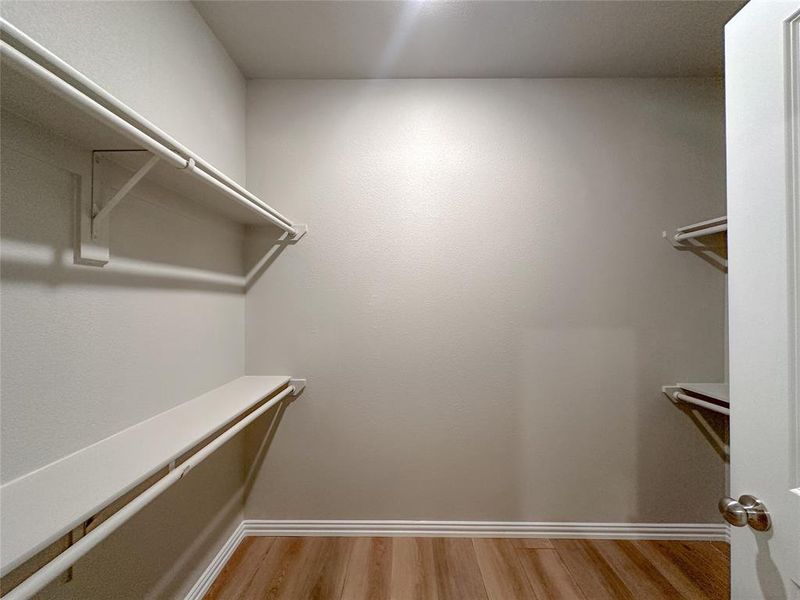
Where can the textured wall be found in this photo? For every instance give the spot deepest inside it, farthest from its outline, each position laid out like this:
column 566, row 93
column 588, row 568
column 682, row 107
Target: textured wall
column 87, row 352
column 484, row 307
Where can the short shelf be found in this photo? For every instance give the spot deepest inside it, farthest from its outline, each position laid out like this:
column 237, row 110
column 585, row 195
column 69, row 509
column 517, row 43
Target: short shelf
column 44, row 505
column 716, row 391
column 711, row 396
column 702, row 229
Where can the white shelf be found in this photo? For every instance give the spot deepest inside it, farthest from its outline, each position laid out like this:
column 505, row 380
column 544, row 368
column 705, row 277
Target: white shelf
column 710, row 396
column 34, row 101
column 719, row 221
column 715, row 391
column 44, row 505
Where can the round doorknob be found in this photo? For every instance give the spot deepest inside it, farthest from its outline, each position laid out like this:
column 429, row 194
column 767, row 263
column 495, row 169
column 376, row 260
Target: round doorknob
column 749, row 510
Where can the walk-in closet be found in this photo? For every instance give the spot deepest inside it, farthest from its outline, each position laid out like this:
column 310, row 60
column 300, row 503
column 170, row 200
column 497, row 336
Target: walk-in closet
column 399, row 299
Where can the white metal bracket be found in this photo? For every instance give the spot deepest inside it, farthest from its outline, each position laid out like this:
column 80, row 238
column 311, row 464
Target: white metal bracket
column 100, row 213
column 95, row 210
column 301, row 229
column 670, row 391
column 709, row 252
column 690, row 244
column 720, row 444
column 298, row 384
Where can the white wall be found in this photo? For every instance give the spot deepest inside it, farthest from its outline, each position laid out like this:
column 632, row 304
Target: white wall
column 484, row 307
column 86, row 351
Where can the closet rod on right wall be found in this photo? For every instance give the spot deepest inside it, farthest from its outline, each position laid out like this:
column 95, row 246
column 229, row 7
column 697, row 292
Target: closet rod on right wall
column 702, row 229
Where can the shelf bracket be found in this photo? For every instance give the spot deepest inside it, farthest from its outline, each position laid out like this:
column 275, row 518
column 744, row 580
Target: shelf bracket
column 95, row 210
column 690, row 244
column 720, row 444
column 708, row 252
column 299, row 385
column 100, row 214
column 301, row 229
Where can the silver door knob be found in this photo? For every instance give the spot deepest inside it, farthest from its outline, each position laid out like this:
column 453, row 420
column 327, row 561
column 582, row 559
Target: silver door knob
column 749, row 510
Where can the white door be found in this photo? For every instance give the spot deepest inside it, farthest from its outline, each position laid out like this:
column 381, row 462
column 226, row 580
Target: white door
column 762, row 56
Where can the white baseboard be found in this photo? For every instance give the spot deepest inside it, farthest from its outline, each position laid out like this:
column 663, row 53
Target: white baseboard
column 496, row 529
column 499, row 529
column 203, row 584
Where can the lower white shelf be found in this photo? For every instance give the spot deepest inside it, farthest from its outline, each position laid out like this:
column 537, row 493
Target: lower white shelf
column 712, row 396
column 40, row 507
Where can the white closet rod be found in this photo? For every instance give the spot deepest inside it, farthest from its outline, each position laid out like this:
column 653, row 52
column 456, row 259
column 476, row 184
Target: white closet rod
column 69, row 93
column 38, row 580
column 194, row 162
column 702, row 403
column 701, row 232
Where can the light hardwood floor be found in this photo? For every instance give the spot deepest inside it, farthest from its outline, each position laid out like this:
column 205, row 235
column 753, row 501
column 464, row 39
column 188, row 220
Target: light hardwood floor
column 299, row 568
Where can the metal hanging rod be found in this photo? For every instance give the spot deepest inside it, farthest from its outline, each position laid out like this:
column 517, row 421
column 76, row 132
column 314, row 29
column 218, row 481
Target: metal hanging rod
column 26, row 65
column 701, row 229
column 701, row 232
column 38, row 580
column 97, row 102
column 678, row 396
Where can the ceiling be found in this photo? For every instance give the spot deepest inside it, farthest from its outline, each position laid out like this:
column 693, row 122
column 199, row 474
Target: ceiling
column 299, row 39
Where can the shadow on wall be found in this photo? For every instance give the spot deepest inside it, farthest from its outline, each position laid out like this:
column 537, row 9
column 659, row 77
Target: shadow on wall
column 39, row 233
column 161, row 551
column 262, row 246
column 714, row 428
column 712, row 249
column 624, row 451
column 258, row 440
column 158, row 239
column 90, row 351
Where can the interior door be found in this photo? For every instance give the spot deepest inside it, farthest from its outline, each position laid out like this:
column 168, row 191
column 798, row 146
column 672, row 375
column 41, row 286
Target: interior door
column 762, row 53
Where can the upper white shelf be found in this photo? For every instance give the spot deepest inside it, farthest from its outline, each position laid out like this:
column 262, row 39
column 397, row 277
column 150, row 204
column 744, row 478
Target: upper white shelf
column 36, row 102
column 42, row 88
column 699, row 230
column 703, row 228
column 44, row 505
column 717, row 391
column 710, row 396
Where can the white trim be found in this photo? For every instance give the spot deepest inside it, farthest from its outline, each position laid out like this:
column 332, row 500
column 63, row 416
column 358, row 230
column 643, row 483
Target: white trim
column 500, row 529
column 793, row 151
column 213, row 570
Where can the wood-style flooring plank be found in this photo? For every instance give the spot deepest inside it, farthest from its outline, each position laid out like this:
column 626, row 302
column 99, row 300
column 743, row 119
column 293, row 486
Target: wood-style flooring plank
column 413, row 569
column 548, row 575
column 538, row 543
column 308, row 577
column 458, row 576
column 684, row 578
column 237, row 573
column 639, row 575
column 369, row 570
column 714, row 557
column 702, row 563
column 275, row 570
column 329, row 583
column 723, row 547
column 594, row 576
column 502, row 572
